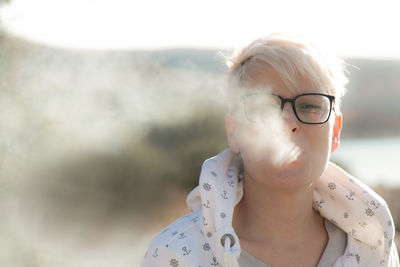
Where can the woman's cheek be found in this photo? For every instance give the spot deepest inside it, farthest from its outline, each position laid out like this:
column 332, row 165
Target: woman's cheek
column 321, row 145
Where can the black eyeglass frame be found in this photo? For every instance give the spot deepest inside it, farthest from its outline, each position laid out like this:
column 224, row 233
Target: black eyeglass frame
column 292, row 101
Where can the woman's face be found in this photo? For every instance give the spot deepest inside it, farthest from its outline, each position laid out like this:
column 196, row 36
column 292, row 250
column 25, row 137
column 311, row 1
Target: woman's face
column 259, row 145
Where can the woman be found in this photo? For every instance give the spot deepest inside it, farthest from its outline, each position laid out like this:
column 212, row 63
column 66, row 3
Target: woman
column 273, row 198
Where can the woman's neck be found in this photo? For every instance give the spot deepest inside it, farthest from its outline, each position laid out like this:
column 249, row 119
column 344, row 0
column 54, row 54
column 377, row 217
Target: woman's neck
column 265, row 215
column 280, row 228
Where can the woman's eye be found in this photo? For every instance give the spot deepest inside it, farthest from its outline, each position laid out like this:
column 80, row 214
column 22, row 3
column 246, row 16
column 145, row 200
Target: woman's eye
column 310, row 107
column 259, row 109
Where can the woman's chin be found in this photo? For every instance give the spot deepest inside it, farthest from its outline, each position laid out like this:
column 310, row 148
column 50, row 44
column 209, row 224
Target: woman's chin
column 297, row 172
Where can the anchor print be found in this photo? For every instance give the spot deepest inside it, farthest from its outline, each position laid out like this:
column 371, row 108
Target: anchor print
column 350, row 195
column 357, row 258
column 375, row 204
column 207, row 204
column 214, row 263
column 155, row 254
column 186, row 251
column 182, row 236
column 319, row 203
column 204, row 221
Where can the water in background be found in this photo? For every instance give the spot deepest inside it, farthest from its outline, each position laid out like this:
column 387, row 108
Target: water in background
column 374, row 161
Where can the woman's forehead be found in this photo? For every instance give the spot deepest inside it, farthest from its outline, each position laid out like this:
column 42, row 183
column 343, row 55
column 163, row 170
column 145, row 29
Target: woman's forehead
column 263, row 77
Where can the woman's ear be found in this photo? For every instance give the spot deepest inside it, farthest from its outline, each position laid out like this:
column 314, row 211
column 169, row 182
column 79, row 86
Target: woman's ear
column 230, row 125
column 337, row 127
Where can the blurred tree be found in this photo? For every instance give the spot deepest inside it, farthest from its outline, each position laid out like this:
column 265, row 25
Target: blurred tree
column 137, row 180
column 190, row 143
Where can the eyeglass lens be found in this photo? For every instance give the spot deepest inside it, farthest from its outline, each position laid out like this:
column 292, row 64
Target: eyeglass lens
column 308, row 108
column 312, row 108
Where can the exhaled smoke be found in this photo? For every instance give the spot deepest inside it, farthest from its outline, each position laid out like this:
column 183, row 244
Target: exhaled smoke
column 71, row 149
column 263, row 132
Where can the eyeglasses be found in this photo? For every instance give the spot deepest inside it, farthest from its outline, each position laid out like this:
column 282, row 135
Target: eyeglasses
column 311, row 108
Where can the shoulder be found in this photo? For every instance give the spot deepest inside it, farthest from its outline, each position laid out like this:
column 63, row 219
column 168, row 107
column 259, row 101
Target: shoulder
column 182, row 229
column 180, row 244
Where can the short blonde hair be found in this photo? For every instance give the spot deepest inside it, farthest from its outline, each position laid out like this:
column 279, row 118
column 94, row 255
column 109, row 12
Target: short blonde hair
column 291, row 58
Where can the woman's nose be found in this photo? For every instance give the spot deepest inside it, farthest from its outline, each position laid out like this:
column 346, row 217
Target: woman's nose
column 290, row 118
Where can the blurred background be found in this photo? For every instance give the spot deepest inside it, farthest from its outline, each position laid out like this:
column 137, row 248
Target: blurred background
column 108, row 109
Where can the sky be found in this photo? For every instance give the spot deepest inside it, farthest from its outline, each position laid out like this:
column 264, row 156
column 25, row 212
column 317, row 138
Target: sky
column 358, row 28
